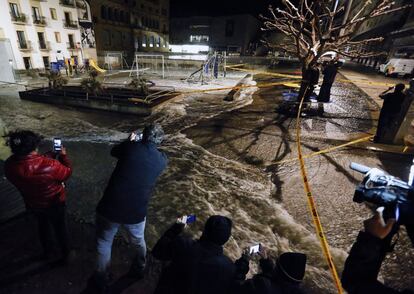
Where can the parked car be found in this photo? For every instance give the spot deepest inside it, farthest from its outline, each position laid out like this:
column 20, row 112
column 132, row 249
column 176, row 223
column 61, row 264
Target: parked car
column 398, row 67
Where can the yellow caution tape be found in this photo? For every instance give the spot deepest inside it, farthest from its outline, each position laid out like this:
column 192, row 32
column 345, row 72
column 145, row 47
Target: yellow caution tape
column 327, row 149
column 312, row 205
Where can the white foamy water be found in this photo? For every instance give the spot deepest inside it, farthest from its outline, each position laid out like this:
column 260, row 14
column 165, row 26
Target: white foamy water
column 196, row 180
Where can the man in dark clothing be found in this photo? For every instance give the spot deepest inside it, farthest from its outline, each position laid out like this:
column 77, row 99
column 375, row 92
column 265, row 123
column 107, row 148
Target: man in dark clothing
column 389, row 114
column 329, row 73
column 40, row 179
column 367, row 254
column 198, row 266
column 285, row 277
column 126, row 198
column 310, row 79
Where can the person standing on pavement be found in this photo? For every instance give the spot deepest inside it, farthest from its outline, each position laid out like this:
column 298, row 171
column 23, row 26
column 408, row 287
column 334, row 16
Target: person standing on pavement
column 310, row 79
column 329, row 74
column 40, row 179
column 389, row 113
column 126, row 198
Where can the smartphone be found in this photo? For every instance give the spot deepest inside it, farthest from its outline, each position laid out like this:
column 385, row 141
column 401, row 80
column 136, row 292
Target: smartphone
column 254, row 249
column 187, row 219
column 57, row 144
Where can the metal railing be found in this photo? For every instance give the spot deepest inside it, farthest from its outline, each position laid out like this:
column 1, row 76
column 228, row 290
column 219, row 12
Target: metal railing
column 39, row 20
column 25, row 45
column 18, row 17
column 70, row 24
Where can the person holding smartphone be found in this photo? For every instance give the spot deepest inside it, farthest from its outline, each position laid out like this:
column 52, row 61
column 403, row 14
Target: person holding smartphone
column 283, row 276
column 40, row 180
column 198, row 266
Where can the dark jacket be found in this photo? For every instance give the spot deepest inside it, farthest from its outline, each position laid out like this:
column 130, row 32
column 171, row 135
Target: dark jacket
column 196, row 266
column 362, row 267
column 268, row 282
column 392, row 103
column 39, row 178
column 330, row 71
column 130, row 187
column 311, row 75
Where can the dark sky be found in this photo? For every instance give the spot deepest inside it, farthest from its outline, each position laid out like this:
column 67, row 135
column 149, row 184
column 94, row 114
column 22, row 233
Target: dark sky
column 218, row 7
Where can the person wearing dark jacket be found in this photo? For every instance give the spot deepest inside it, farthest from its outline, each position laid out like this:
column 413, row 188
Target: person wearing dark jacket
column 360, row 275
column 198, row 266
column 389, row 114
column 126, row 198
column 40, row 180
column 329, row 74
column 284, row 277
column 310, row 79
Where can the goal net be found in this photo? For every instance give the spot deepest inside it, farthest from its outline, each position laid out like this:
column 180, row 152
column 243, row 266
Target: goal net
column 115, row 60
column 148, row 64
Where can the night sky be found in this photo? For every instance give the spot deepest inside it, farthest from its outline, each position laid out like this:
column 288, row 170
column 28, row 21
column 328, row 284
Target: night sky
column 218, row 7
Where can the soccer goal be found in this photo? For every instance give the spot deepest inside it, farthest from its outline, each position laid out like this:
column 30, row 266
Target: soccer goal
column 115, row 60
column 149, row 64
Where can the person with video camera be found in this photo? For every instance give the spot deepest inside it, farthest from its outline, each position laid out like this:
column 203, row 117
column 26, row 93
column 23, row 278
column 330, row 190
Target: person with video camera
column 126, row 197
column 40, row 180
column 198, row 266
column 283, row 276
column 360, row 275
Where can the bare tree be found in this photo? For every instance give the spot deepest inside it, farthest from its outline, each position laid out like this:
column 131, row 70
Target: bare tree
column 317, row 26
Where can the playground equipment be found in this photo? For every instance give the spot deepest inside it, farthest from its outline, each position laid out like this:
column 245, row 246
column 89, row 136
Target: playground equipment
column 115, row 60
column 210, row 69
column 95, row 66
column 152, row 64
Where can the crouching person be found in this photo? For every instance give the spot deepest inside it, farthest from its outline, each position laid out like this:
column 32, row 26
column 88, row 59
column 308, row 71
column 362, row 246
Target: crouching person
column 198, row 266
column 40, row 179
column 283, row 276
column 126, row 198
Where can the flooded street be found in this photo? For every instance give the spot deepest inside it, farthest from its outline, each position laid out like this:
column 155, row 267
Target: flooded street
column 224, row 159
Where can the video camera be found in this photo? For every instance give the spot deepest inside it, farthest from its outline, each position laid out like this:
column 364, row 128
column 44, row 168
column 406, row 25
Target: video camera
column 384, row 190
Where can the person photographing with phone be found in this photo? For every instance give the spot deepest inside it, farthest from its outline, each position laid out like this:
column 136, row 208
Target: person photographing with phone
column 40, row 180
column 283, row 276
column 198, row 266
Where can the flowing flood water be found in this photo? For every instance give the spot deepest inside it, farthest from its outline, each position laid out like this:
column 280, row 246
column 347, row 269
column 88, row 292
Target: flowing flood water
column 198, row 180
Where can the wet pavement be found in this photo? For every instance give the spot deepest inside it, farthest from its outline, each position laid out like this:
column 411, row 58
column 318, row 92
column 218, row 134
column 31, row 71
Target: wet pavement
column 223, row 160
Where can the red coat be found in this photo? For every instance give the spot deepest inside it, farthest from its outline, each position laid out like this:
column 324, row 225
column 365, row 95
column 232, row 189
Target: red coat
column 39, row 178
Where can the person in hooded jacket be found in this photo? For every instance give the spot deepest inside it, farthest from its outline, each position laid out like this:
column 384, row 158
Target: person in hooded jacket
column 126, row 197
column 198, row 266
column 285, row 276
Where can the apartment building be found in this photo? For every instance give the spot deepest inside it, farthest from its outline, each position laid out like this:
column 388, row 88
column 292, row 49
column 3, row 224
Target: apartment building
column 43, row 31
column 128, row 26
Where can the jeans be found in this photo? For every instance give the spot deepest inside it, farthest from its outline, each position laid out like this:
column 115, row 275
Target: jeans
column 53, row 218
column 106, row 231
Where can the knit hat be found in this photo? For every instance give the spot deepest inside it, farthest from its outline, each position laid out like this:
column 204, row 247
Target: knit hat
column 291, row 265
column 217, row 229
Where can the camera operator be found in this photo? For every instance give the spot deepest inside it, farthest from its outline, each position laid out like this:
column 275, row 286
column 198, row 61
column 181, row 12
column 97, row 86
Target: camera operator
column 367, row 254
column 126, row 198
column 40, row 179
column 283, row 277
column 198, row 266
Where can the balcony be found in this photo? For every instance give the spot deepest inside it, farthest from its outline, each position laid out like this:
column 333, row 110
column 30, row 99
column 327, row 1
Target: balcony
column 19, row 18
column 68, row 3
column 70, row 24
column 39, row 20
column 24, row 45
column 44, row 46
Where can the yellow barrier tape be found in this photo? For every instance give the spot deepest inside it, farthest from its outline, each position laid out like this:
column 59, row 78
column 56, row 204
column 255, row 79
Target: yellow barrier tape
column 300, row 77
column 312, row 205
column 327, row 149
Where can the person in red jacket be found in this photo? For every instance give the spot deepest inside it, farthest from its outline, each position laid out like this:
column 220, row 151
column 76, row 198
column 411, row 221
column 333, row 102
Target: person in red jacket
column 40, row 179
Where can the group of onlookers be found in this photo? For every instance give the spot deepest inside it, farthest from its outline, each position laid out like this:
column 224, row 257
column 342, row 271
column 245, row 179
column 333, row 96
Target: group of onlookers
column 193, row 265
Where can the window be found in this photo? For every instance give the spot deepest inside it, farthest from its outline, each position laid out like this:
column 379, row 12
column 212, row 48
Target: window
column 104, row 12
column 229, row 28
column 21, row 39
column 110, row 13
column 116, row 15
column 57, row 37
column 36, row 14
column 199, row 38
column 42, row 41
column 106, row 36
column 68, row 18
column 71, row 41
column 27, row 62
column 53, row 14
column 144, row 41
column 14, row 9
column 46, row 61
column 152, row 41
column 122, row 16
column 159, row 42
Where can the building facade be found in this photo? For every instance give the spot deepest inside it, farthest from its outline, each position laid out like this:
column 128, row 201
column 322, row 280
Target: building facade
column 43, row 31
column 232, row 33
column 129, row 26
